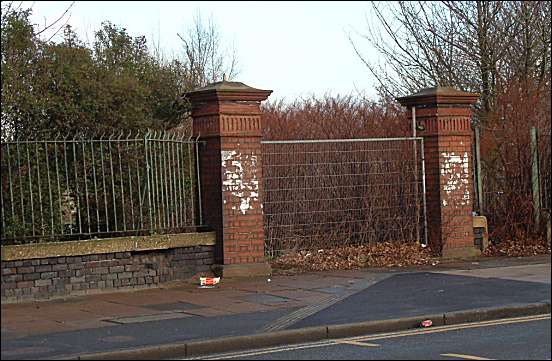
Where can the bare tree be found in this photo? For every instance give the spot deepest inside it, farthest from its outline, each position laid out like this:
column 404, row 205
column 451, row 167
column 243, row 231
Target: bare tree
column 470, row 45
column 205, row 58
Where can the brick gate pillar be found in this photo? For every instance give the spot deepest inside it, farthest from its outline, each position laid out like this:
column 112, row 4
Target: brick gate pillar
column 227, row 116
column 443, row 117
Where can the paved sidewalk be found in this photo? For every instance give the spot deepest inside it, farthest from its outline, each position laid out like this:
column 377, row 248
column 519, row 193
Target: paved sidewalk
column 182, row 311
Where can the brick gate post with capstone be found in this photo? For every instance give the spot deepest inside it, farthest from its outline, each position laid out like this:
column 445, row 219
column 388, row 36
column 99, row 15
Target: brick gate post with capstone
column 443, row 119
column 227, row 118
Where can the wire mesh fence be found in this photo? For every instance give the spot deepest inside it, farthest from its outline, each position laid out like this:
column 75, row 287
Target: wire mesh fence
column 335, row 192
column 76, row 188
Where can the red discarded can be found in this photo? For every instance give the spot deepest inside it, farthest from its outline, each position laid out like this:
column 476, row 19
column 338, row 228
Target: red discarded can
column 209, row 281
column 427, row 323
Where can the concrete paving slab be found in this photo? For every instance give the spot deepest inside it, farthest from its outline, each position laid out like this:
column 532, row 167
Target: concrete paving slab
column 110, row 309
column 301, row 295
column 206, row 312
column 149, row 318
column 174, row 306
column 265, row 299
column 530, row 273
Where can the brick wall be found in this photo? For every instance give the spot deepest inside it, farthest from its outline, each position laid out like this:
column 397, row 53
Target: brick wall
column 60, row 276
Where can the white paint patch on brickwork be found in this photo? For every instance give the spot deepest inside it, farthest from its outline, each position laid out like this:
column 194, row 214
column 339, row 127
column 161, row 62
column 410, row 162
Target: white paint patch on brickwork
column 240, row 178
column 455, row 170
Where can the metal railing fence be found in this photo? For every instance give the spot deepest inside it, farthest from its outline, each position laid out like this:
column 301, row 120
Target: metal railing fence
column 322, row 193
column 120, row 184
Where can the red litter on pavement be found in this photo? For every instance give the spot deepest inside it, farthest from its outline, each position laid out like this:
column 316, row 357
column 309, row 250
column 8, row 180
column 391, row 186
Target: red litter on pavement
column 427, row 323
column 208, row 282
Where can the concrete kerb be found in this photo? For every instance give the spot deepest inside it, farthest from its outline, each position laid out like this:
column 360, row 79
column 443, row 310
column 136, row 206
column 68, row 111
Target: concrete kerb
column 313, row 334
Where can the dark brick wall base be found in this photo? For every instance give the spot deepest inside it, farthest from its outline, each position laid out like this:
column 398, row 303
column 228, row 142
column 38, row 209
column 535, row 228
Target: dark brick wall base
column 61, row 276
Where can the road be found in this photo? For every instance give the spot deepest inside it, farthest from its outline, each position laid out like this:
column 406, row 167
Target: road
column 521, row 338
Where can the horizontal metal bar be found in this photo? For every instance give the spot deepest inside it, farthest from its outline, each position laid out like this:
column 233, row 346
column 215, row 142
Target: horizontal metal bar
column 332, row 175
column 336, row 222
column 292, row 201
column 325, row 152
column 405, row 161
column 100, row 141
column 310, row 141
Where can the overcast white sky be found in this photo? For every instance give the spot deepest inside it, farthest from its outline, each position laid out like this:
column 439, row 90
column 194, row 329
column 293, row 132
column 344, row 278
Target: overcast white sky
column 293, row 48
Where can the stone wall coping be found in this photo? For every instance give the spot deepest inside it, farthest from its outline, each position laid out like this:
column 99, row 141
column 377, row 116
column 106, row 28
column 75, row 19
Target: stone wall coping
column 107, row 245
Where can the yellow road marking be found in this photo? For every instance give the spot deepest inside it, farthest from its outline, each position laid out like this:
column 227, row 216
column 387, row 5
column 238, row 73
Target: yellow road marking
column 356, row 343
column 465, row 357
column 358, row 340
column 449, row 328
column 265, row 351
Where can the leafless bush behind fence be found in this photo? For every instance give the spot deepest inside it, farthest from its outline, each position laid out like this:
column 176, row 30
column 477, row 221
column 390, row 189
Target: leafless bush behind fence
column 331, row 193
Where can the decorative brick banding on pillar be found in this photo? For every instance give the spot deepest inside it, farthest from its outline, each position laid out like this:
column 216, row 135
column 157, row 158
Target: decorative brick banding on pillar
column 443, row 116
column 227, row 117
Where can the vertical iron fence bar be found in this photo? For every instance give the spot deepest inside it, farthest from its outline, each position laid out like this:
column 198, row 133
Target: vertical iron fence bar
column 165, row 189
column 158, row 202
column 21, row 192
column 166, row 175
column 112, row 183
column 174, row 216
column 39, row 188
column 169, row 176
column 95, row 185
column 121, row 181
column 164, row 143
column 101, row 143
column 154, row 183
column 86, row 185
column 161, row 180
column 151, row 183
column 138, row 181
column 190, row 157
column 175, row 181
column 49, row 187
column 196, row 145
column 151, row 226
column 30, row 187
column 154, row 152
column 77, row 184
column 11, row 188
column 67, row 194
column 58, row 187
column 179, row 176
column 130, row 180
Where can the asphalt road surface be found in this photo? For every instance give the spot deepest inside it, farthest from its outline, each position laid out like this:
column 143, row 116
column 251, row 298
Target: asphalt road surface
column 522, row 338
